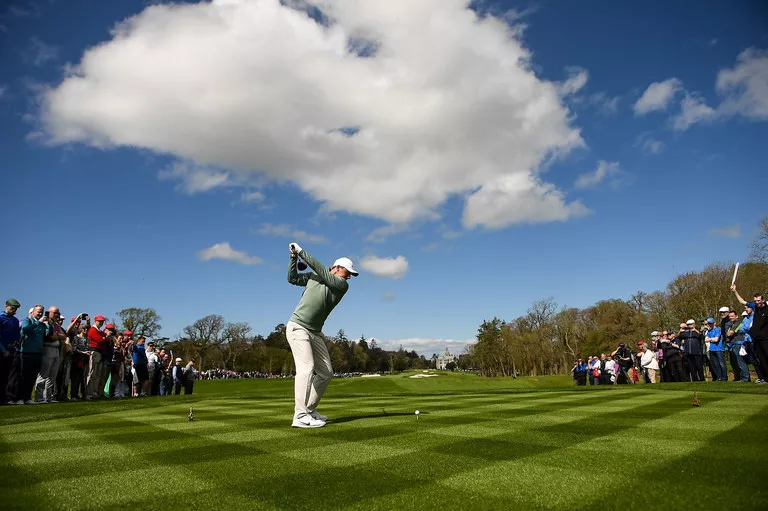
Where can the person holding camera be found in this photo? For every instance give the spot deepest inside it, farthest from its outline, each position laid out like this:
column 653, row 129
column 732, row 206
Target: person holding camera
column 34, row 328
column 693, row 349
column 9, row 343
column 623, row 358
column 672, row 356
column 80, row 358
column 579, row 371
column 737, row 337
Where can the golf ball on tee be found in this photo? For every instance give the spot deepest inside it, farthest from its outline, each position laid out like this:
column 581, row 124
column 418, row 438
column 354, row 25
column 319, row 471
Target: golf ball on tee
column 417, row 412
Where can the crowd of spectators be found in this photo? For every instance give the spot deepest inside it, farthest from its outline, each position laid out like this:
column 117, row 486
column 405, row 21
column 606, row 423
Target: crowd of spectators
column 44, row 361
column 690, row 352
column 225, row 374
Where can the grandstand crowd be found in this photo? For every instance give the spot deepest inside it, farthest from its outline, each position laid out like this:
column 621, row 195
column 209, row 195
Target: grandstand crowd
column 45, row 359
column 691, row 352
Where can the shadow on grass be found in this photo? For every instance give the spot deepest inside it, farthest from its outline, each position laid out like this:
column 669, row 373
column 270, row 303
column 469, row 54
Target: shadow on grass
column 351, row 418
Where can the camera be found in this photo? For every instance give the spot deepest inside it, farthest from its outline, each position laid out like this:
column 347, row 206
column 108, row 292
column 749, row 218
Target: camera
column 47, row 314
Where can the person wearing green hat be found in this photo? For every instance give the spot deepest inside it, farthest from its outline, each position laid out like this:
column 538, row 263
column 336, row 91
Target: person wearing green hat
column 9, row 343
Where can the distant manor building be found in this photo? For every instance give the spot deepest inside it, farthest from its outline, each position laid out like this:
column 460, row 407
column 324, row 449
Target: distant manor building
column 445, row 359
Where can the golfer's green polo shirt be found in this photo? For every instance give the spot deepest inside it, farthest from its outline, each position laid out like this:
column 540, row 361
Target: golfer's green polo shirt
column 323, row 292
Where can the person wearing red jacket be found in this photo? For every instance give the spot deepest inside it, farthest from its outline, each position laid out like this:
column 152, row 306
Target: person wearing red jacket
column 97, row 342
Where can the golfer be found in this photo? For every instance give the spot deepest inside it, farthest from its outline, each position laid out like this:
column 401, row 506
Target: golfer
column 324, row 290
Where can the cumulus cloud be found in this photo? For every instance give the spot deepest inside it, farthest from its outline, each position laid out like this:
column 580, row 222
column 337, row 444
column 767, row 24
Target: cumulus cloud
column 224, row 251
column 605, row 171
column 576, row 81
column 193, row 178
column 387, row 267
column 518, row 198
column 406, row 103
column 657, row 96
column 745, row 86
column 692, row 110
column 286, row 231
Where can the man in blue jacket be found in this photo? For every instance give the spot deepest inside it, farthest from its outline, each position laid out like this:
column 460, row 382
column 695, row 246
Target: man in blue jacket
column 716, row 351
column 9, row 343
column 34, row 329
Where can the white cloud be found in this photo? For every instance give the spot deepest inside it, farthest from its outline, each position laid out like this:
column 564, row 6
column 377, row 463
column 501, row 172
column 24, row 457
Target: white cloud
column 427, row 346
column 692, row 110
column 195, row 179
column 380, row 234
column 657, row 96
column 450, row 234
column 286, row 231
column 648, row 144
column 252, row 196
column 388, row 267
column 576, row 81
column 733, row 231
column 745, row 87
column 605, row 171
column 515, row 199
column 447, row 104
column 40, row 53
column 224, row 251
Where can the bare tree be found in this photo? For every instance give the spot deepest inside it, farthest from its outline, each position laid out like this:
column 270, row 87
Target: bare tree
column 759, row 251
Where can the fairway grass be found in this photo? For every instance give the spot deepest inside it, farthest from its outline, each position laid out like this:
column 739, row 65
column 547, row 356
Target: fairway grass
column 478, row 443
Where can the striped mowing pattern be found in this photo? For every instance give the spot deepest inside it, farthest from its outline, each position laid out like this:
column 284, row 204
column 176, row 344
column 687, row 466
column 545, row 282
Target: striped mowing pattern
column 559, row 450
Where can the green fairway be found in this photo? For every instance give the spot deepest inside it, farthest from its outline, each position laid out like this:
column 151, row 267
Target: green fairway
column 477, row 444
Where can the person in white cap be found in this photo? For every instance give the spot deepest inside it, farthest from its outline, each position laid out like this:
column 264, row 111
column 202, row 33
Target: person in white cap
column 324, row 290
column 693, row 348
column 177, row 373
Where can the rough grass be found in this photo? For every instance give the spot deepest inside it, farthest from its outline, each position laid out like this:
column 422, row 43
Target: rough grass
column 477, row 444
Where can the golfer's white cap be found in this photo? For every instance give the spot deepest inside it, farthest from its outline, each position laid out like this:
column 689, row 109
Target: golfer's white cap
column 690, row 322
column 178, row 359
column 724, row 309
column 346, row 262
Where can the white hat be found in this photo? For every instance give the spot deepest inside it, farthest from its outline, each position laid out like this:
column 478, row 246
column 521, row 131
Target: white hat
column 178, row 359
column 655, row 333
column 744, row 313
column 345, row 262
column 690, row 322
column 724, row 309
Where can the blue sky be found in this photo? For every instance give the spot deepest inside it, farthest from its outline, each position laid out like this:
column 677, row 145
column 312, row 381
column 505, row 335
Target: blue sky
column 574, row 150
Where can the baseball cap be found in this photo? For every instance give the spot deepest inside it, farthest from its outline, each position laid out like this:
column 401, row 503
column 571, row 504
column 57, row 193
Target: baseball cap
column 710, row 320
column 655, row 333
column 744, row 313
column 110, row 326
column 178, row 359
column 13, row 302
column 99, row 318
column 690, row 322
column 724, row 309
column 346, row 262
column 127, row 332
column 751, row 305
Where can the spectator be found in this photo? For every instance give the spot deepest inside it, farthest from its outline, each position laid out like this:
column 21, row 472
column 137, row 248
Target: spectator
column 189, row 377
column 725, row 322
column 691, row 341
column 579, row 371
column 65, row 357
column 737, row 337
column 594, row 370
column 49, row 367
column 758, row 330
column 714, row 337
column 672, row 356
column 80, row 359
column 97, row 340
column 623, row 358
column 178, row 377
column 9, row 343
column 649, row 363
column 606, row 369
column 33, row 331
column 154, row 368
column 140, row 366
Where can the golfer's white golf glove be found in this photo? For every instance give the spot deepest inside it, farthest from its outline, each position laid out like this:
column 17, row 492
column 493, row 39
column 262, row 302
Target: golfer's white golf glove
column 295, row 247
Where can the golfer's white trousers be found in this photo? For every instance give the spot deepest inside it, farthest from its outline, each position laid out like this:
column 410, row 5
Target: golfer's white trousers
column 313, row 367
